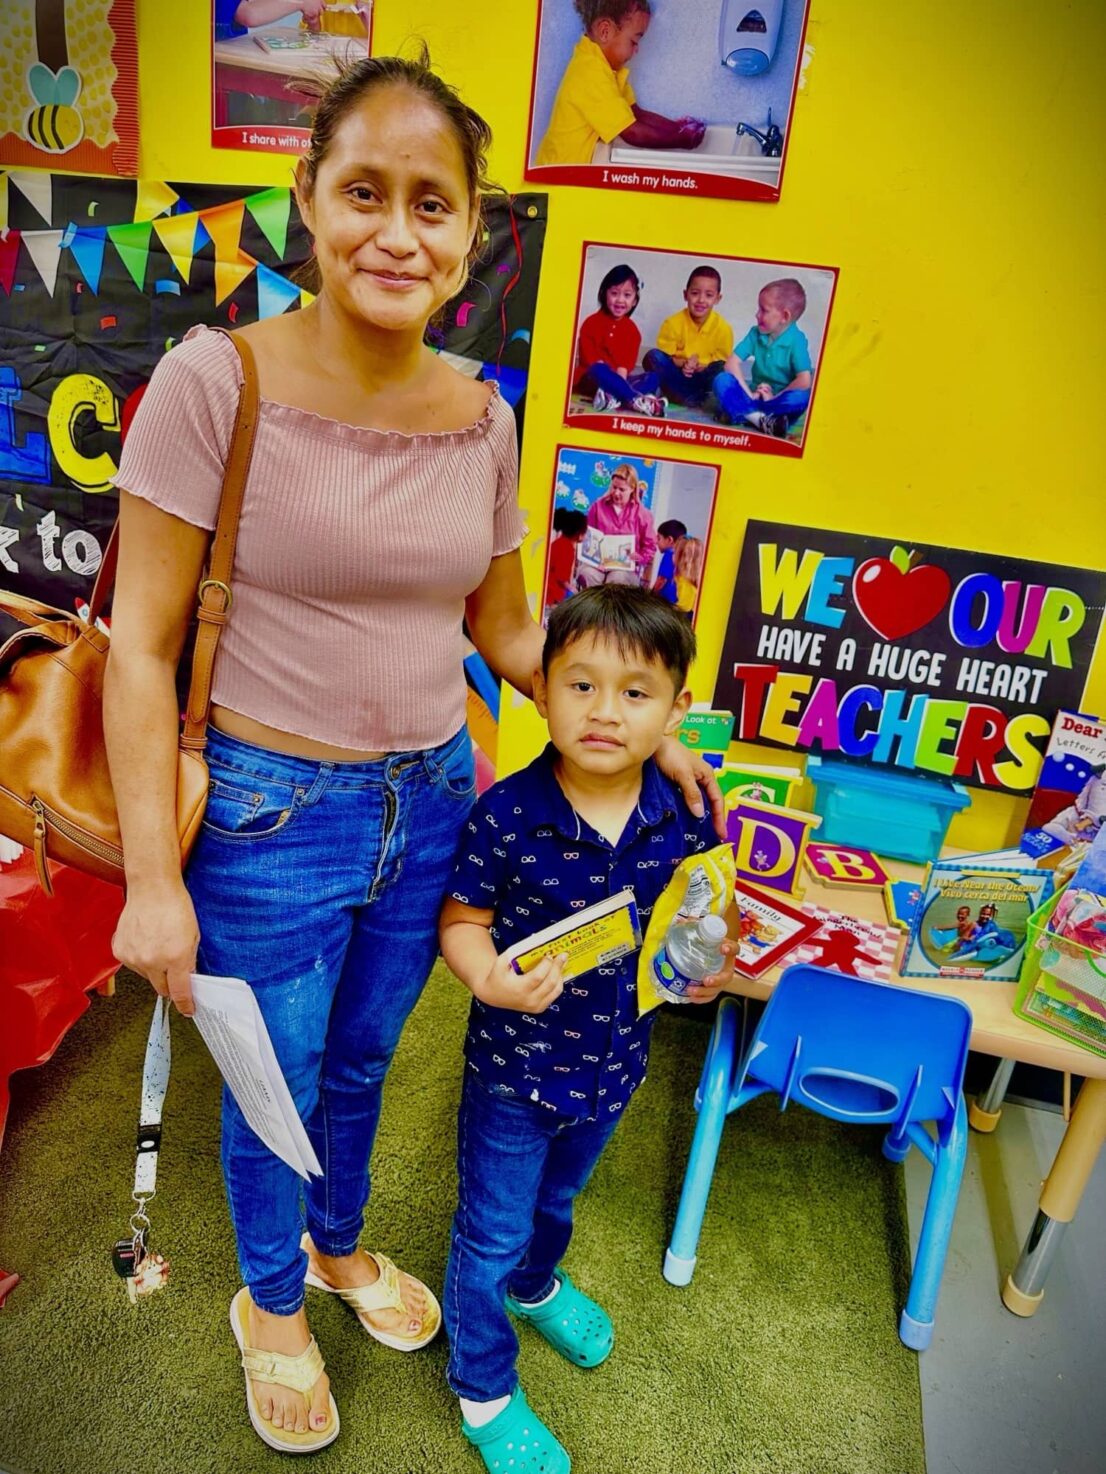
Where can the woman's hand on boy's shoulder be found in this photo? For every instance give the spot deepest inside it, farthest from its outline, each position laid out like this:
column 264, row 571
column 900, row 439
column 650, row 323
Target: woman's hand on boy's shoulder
column 708, row 989
column 529, row 992
column 691, row 773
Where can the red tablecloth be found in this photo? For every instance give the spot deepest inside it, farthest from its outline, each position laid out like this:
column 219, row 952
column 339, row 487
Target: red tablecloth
column 53, row 949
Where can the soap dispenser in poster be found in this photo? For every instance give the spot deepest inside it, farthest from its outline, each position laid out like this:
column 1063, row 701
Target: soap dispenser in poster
column 748, row 33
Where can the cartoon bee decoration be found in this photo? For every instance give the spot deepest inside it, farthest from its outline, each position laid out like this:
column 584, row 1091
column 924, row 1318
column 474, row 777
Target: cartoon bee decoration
column 54, row 124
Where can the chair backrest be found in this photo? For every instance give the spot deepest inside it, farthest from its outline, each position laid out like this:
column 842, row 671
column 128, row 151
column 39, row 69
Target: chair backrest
column 860, row 1051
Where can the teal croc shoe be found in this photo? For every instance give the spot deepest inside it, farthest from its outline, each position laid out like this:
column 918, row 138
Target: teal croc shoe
column 571, row 1322
column 518, row 1442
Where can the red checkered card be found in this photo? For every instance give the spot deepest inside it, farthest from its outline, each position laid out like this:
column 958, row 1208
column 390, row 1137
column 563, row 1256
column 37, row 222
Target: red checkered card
column 864, row 949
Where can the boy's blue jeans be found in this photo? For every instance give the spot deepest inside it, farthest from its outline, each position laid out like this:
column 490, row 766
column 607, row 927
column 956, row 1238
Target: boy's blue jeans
column 602, row 376
column 519, row 1169
column 737, row 404
column 682, row 388
column 320, row 884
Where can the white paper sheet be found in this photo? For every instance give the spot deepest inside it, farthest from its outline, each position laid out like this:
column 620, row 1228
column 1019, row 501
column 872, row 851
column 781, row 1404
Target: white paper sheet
column 234, row 1031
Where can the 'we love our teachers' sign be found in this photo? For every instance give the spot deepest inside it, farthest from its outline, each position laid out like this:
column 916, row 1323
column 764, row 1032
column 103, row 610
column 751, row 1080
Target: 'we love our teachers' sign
column 928, row 660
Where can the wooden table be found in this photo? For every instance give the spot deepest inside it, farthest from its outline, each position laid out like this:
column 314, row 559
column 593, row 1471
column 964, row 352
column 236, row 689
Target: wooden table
column 241, row 65
column 997, row 1030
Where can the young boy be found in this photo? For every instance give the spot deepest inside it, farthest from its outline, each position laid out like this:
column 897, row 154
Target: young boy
column 595, row 100
column 692, row 345
column 668, row 535
column 781, row 367
column 551, row 1068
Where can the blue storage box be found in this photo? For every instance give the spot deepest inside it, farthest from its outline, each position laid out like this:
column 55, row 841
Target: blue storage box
column 895, row 814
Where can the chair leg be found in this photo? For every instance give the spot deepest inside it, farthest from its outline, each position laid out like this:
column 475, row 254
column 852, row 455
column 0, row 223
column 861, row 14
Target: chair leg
column 916, row 1323
column 713, row 1100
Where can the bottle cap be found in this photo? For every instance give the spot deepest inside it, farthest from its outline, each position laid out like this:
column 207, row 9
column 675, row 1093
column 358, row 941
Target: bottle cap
column 712, row 928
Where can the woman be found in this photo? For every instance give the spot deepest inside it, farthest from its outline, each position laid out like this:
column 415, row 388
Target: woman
column 381, row 508
column 619, row 511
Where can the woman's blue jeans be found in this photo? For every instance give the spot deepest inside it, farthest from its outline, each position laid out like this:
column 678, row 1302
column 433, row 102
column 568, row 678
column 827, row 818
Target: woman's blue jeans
column 320, row 883
column 519, row 1169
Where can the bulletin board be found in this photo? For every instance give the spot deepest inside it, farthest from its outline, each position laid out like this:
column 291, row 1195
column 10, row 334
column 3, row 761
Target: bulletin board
column 958, row 380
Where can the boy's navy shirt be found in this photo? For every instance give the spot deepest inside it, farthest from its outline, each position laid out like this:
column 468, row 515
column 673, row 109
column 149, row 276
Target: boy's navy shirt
column 528, row 855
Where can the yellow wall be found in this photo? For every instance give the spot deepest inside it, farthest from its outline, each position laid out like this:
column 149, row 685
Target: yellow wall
column 947, row 157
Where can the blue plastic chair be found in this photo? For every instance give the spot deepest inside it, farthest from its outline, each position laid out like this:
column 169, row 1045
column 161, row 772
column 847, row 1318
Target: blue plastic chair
column 859, row 1052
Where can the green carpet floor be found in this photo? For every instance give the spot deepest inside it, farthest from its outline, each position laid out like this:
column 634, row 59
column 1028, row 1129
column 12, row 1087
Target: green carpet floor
column 780, row 1358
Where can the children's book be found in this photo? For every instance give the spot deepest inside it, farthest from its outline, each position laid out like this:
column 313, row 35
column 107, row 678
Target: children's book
column 973, row 919
column 863, row 949
column 767, row 931
column 767, row 785
column 612, row 551
column 709, row 731
column 1069, row 802
column 592, row 937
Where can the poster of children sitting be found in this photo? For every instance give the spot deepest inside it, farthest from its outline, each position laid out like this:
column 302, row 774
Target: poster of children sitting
column 690, row 97
column 707, row 350
column 624, row 519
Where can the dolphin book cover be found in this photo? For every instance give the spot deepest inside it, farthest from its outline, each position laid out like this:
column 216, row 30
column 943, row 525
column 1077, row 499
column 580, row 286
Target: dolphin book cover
column 973, row 921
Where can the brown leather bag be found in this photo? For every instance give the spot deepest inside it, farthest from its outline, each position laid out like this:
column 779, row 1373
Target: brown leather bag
column 55, row 787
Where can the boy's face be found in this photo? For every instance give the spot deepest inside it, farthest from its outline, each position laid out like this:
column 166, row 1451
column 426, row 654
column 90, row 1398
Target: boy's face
column 664, row 542
column 962, row 914
column 619, row 43
column 701, row 294
column 771, row 317
column 607, row 712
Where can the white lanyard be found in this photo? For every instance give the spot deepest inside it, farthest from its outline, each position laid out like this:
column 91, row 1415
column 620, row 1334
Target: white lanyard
column 155, row 1082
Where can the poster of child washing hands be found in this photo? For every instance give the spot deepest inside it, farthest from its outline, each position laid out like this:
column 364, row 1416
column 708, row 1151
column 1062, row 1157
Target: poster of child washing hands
column 722, row 351
column 688, row 97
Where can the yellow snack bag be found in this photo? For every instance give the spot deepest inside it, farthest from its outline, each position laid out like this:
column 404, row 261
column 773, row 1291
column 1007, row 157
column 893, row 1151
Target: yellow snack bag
column 701, row 885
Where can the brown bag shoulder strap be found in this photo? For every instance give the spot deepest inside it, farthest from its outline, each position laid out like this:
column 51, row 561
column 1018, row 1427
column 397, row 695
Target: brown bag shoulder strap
column 214, row 592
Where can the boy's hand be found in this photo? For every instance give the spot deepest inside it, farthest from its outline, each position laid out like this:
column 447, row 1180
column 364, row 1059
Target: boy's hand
column 763, row 391
column 691, row 365
column 709, row 988
column 530, row 992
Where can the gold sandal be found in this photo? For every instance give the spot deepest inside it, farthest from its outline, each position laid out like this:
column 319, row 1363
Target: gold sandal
column 300, row 1373
column 386, row 1293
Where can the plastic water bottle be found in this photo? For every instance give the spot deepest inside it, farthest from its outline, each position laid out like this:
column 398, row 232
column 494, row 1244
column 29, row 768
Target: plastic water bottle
column 692, row 951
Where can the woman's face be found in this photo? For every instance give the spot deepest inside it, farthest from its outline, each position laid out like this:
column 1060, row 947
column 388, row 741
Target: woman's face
column 390, row 211
column 621, row 491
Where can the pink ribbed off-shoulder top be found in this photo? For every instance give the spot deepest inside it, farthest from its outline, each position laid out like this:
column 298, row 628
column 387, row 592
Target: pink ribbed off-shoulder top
column 356, row 550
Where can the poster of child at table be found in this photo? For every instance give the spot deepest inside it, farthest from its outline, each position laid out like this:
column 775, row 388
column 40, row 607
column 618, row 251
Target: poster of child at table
column 624, row 519
column 722, row 351
column 270, row 59
column 665, row 96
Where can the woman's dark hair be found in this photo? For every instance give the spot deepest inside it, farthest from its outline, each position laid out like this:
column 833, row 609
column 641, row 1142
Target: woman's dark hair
column 569, row 521
column 618, row 11
column 354, row 82
column 637, row 621
column 614, row 278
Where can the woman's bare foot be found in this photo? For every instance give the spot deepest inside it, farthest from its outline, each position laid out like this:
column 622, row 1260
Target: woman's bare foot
column 353, row 1270
column 285, row 1409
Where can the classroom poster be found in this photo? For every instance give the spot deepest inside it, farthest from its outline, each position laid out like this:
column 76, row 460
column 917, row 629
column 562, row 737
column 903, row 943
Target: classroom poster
column 120, row 273
column 719, row 351
column 680, row 98
column 266, row 79
column 626, row 519
column 68, row 87
column 932, row 660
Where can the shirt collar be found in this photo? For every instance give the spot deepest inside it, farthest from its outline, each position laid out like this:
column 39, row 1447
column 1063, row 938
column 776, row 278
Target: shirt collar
column 589, row 48
column 553, row 810
column 706, row 324
column 788, row 333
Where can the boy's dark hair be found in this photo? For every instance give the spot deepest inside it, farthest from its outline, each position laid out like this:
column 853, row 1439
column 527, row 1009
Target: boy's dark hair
column 708, row 271
column 672, row 528
column 614, row 278
column 636, row 621
column 569, row 521
column 619, row 11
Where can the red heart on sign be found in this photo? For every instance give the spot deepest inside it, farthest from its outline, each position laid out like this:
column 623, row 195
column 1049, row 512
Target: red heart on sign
column 896, row 603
